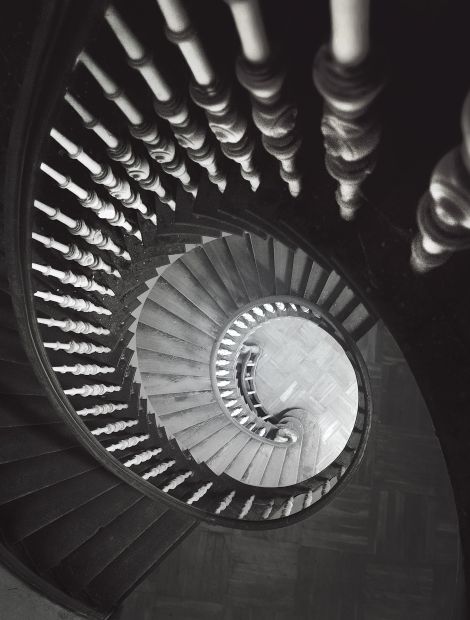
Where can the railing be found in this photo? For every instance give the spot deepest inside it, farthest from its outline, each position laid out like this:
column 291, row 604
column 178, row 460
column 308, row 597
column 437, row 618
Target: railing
column 82, row 239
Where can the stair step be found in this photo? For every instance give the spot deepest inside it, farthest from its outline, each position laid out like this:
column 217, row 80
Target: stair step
column 19, row 379
column 23, row 477
column 344, row 304
column 316, row 281
column 242, row 256
column 32, row 441
column 290, row 468
column 202, row 432
column 168, row 403
column 181, row 279
column 174, row 384
column 155, row 316
column 91, row 558
column 163, row 364
column 283, row 263
column 52, row 544
column 28, row 514
column 301, row 268
column 121, row 575
column 359, row 322
column 205, row 449
column 180, row 420
column 29, row 411
column 331, row 290
column 12, row 348
column 273, row 470
column 157, row 342
column 222, row 261
column 243, row 459
column 225, row 455
column 264, row 257
column 171, row 300
column 254, row 474
column 200, row 266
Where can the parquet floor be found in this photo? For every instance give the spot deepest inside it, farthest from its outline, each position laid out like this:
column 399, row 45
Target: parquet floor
column 302, row 366
column 387, row 548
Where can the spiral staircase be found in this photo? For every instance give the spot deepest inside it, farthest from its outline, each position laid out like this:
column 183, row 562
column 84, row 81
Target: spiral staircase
column 145, row 263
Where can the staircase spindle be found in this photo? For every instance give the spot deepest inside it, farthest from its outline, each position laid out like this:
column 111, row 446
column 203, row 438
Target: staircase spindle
column 136, row 166
column 444, row 210
column 73, row 252
column 80, row 229
column 103, row 174
column 78, row 327
column 247, row 507
column 171, row 486
column 260, row 74
column 96, row 389
column 210, row 92
column 348, row 80
column 102, row 409
column 84, row 369
column 127, row 443
column 160, row 147
column 159, row 469
column 74, row 303
column 76, row 280
column 84, row 348
column 225, row 503
column 142, row 457
column 114, row 427
column 91, row 200
column 199, row 493
column 169, row 105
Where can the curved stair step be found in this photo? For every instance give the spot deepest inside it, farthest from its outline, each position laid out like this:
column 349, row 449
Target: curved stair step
column 243, row 259
column 162, row 364
column 243, row 459
column 151, row 340
column 31, row 441
column 173, row 301
column 169, row 403
column 206, row 448
column 182, row 280
column 264, row 257
column 301, row 268
column 222, row 261
column 181, row 420
column 274, row 466
column 283, row 264
column 290, row 468
column 225, row 455
column 332, row 288
column 254, row 474
column 359, row 322
column 202, row 432
column 156, row 316
column 202, row 269
column 174, row 384
column 344, row 304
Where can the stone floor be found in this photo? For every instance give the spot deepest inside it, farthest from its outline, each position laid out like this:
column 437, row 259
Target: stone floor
column 302, row 366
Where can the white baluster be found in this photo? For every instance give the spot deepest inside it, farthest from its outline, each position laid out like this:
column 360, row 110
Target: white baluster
column 77, row 347
column 247, row 316
column 225, row 503
column 257, row 310
column 232, row 332
column 129, row 442
column 177, row 481
column 91, row 200
column 78, row 327
column 227, row 342
column 221, row 373
column 236, row 412
column 308, row 500
column 102, row 409
column 287, row 507
column 73, row 252
column 199, row 493
column 240, row 324
column 159, row 469
column 247, row 507
column 76, row 280
column 114, row 427
column 142, row 457
column 75, row 303
column 224, row 352
column 222, row 384
column 280, row 306
column 97, row 389
column 231, row 403
column 268, row 510
column 269, row 308
column 226, row 393
column 222, row 362
column 84, row 369
column 326, row 487
column 80, row 229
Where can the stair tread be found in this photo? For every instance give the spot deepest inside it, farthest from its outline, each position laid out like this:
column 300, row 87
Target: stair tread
column 174, row 384
column 283, row 262
column 254, row 474
column 54, row 542
column 331, row 290
column 112, row 585
column 154, row 341
column 264, row 257
column 224, row 456
column 245, row 265
column 316, row 280
column 222, row 261
column 168, row 403
column 243, row 459
column 92, row 557
column 180, row 420
column 154, row 315
column 26, row 411
column 202, row 269
column 302, row 265
column 161, row 363
column 171, row 300
column 205, row 449
column 273, row 470
column 183, row 281
column 29, row 441
column 201, row 432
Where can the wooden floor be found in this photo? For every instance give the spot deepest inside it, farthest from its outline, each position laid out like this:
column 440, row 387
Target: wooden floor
column 302, row 366
column 386, row 548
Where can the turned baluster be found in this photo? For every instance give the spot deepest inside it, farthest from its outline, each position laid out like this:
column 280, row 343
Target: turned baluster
column 346, row 77
column 74, row 303
column 259, row 72
column 137, row 166
column 91, row 200
column 168, row 104
column 84, row 369
column 102, row 409
column 444, row 210
column 160, row 147
column 114, row 427
column 79, row 228
column 68, row 277
column 103, row 174
column 73, row 252
column 77, row 327
column 85, row 348
column 96, row 389
column 211, row 93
